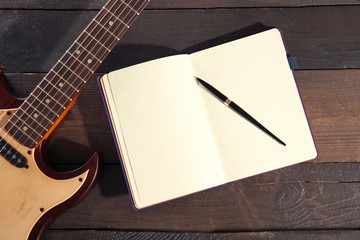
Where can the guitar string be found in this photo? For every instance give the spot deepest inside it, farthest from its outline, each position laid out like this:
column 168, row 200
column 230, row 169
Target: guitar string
column 45, row 87
column 49, row 81
column 104, row 16
column 87, row 37
column 8, row 143
column 8, row 172
column 68, row 68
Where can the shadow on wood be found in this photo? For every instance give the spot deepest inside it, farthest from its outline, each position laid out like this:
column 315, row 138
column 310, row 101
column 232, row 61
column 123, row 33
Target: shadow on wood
column 241, row 33
column 128, row 55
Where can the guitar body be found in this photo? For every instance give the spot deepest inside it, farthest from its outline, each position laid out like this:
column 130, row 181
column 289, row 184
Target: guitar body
column 31, row 194
column 31, row 198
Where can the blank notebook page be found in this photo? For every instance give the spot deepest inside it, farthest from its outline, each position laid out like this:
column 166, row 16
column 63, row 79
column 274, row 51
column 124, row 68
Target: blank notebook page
column 163, row 130
column 255, row 74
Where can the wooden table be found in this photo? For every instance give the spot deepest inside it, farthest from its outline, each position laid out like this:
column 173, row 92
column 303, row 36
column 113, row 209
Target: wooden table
column 317, row 199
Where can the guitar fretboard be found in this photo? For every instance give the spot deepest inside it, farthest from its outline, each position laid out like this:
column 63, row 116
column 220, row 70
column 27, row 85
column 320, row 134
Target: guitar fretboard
column 65, row 80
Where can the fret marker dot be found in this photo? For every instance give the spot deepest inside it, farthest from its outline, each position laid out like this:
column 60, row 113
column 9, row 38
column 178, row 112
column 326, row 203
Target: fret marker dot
column 25, row 128
column 36, row 115
column 77, row 51
column 111, row 23
column 47, row 101
column 89, row 61
column 61, row 84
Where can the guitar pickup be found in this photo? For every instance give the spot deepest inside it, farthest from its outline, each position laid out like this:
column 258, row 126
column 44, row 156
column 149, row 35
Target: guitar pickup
column 11, row 154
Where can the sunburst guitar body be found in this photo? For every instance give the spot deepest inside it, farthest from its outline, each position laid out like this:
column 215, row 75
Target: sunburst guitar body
column 31, row 197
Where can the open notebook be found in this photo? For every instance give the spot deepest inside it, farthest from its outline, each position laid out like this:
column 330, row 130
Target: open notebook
column 174, row 138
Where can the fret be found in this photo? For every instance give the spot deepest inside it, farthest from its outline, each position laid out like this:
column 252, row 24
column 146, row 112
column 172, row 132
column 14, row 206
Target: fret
column 37, row 113
column 90, row 49
column 116, row 17
column 26, row 126
column 110, row 23
column 80, row 62
column 130, row 17
column 73, row 72
column 25, row 139
column 97, row 41
column 130, row 7
column 67, row 82
column 56, row 88
column 46, row 106
column 106, row 29
column 29, row 116
column 61, row 85
column 41, row 97
column 98, row 34
column 21, row 131
column 88, row 52
column 124, row 13
column 52, row 98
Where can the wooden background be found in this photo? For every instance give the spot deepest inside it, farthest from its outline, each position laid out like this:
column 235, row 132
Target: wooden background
column 319, row 199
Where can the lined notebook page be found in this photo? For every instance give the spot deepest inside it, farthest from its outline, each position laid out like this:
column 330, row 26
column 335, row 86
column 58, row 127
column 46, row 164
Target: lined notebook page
column 162, row 128
column 255, row 74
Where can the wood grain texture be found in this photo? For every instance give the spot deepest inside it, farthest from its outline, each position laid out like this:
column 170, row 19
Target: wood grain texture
column 320, row 37
column 174, row 4
column 330, row 98
column 115, row 235
column 303, row 196
column 297, row 202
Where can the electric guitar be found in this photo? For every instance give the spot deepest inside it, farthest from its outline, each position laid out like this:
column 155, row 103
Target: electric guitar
column 31, row 194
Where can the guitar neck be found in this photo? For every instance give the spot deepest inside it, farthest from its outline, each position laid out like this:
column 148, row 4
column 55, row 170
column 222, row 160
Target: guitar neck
column 32, row 121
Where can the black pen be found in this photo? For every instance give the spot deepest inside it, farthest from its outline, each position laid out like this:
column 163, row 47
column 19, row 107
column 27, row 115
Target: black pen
column 236, row 108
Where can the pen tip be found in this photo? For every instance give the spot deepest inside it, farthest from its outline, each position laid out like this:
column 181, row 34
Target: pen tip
column 199, row 80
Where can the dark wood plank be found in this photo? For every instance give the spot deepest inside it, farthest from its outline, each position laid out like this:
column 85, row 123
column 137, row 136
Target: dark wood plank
column 331, row 101
column 320, row 37
column 298, row 202
column 330, row 97
column 174, row 4
column 303, row 196
column 115, row 235
column 158, row 4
